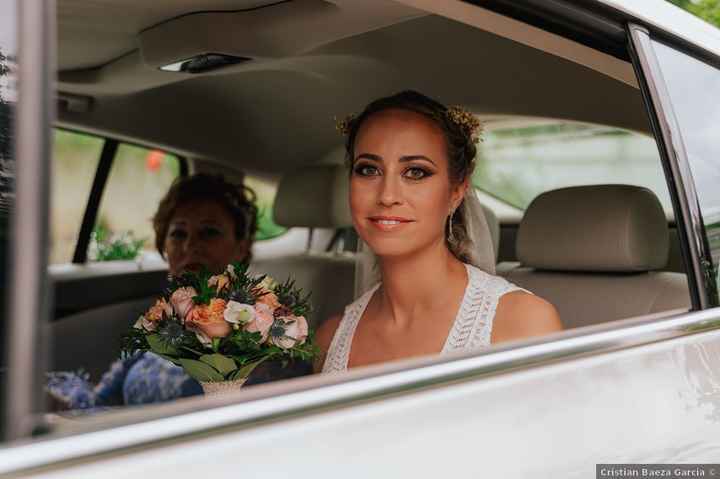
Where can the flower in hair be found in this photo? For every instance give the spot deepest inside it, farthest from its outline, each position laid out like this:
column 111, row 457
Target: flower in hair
column 343, row 126
column 466, row 120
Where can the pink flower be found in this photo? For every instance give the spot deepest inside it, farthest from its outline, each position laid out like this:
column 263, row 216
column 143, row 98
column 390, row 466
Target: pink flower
column 289, row 331
column 262, row 322
column 269, row 298
column 209, row 319
column 182, row 301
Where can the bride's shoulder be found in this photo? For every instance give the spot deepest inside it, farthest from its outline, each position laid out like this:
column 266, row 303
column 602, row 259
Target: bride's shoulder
column 520, row 314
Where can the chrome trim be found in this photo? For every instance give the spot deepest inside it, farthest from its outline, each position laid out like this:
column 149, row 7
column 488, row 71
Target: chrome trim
column 320, row 393
column 672, row 141
column 28, row 278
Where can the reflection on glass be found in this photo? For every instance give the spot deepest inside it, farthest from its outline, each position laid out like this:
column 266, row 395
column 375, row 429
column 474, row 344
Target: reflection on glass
column 694, row 89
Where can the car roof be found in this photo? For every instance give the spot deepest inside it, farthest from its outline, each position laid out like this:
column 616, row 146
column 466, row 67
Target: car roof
column 313, row 61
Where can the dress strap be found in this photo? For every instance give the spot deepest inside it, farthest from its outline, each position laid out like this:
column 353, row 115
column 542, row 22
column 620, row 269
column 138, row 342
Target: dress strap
column 339, row 351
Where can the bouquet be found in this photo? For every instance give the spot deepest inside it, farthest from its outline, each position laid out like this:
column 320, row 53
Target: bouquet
column 218, row 328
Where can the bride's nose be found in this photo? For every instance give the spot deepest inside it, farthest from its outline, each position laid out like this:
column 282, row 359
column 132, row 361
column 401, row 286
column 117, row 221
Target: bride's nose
column 389, row 193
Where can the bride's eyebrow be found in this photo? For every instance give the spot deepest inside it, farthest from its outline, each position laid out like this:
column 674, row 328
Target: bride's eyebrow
column 369, row 156
column 416, row 158
column 403, row 159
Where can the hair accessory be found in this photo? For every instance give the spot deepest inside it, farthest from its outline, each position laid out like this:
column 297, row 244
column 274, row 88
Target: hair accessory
column 343, row 126
column 466, row 120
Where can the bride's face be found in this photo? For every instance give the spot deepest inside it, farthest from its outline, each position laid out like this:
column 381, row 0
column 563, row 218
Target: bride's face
column 400, row 188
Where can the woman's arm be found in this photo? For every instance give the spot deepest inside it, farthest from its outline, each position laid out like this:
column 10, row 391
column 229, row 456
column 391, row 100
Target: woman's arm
column 521, row 315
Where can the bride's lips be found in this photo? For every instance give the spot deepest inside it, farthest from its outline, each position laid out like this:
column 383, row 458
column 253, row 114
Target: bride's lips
column 389, row 223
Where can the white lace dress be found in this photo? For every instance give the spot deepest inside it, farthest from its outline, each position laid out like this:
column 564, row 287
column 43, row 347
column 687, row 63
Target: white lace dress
column 471, row 329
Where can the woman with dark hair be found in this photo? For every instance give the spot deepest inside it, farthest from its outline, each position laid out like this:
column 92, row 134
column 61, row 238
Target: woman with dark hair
column 205, row 222
column 412, row 204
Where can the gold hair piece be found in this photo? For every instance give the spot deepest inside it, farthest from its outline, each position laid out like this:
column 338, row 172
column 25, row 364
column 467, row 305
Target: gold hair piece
column 343, row 126
column 466, row 120
column 457, row 114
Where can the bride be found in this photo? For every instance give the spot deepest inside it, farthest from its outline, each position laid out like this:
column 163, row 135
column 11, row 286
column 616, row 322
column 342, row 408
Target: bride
column 411, row 161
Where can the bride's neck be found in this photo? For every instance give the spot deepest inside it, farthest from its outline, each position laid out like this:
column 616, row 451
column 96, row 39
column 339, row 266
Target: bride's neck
column 420, row 281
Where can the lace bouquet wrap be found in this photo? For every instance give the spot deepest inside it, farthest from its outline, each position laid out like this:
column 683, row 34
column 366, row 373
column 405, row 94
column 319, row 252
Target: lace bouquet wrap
column 218, row 328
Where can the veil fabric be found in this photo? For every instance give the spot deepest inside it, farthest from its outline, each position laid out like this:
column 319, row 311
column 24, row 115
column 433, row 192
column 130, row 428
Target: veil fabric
column 479, row 249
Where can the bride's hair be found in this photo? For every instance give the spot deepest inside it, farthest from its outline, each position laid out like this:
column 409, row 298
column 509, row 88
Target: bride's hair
column 459, row 129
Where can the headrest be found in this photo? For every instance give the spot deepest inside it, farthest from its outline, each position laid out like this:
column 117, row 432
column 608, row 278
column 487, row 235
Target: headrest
column 314, row 197
column 616, row 228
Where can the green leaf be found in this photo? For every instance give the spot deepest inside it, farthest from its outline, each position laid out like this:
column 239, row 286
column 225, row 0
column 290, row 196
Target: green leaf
column 246, row 370
column 159, row 346
column 222, row 364
column 200, row 371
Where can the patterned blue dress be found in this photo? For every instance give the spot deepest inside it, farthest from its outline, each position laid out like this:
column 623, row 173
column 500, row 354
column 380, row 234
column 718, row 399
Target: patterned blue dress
column 146, row 378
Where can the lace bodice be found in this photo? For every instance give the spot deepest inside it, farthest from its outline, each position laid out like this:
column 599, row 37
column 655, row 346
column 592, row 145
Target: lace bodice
column 471, row 328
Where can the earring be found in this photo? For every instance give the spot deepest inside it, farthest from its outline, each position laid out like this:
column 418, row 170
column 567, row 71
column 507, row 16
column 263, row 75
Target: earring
column 451, row 236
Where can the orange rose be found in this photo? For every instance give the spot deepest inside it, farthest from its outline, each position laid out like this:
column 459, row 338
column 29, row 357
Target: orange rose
column 269, row 298
column 155, row 314
column 209, row 319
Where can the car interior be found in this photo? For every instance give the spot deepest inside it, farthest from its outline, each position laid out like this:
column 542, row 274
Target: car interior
column 253, row 88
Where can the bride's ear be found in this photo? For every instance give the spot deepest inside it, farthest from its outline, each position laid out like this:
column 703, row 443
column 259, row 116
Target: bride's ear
column 459, row 193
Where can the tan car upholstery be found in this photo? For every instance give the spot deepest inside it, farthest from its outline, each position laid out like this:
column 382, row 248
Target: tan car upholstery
column 315, row 197
column 595, row 252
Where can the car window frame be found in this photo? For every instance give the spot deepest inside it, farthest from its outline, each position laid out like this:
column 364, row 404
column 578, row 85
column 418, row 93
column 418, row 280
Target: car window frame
column 686, row 203
column 281, row 401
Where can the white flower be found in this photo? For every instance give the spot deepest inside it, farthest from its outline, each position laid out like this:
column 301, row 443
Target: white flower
column 139, row 323
column 238, row 313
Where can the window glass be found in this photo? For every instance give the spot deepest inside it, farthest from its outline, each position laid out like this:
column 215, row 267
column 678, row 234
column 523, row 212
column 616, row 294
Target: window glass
column 138, row 180
column 520, row 158
column 75, row 160
column 694, row 88
column 265, row 192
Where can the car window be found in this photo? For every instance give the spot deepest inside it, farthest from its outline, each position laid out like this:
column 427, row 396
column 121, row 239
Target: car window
column 520, row 158
column 138, row 180
column 75, row 158
column 265, row 191
column 693, row 87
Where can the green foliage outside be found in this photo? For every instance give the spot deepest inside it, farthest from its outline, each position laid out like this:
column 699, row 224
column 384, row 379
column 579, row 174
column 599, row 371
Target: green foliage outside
column 708, row 10
column 105, row 246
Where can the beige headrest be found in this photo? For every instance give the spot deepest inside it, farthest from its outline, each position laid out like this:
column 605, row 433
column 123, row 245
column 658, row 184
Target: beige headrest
column 314, row 197
column 616, row 228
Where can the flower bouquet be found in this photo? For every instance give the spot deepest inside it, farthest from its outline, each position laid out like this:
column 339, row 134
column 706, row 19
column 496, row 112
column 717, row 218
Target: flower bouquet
column 218, row 328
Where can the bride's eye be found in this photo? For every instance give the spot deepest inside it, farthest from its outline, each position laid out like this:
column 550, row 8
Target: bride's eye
column 416, row 173
column 366, row 170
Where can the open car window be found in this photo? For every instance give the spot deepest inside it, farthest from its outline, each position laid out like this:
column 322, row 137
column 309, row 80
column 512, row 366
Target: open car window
column 275, row 117
column 520, row 158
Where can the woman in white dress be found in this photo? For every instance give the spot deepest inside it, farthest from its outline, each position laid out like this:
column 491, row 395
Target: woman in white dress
column 411, row 161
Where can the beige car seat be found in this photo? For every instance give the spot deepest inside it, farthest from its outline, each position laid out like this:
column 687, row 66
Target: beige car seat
column 596, row 253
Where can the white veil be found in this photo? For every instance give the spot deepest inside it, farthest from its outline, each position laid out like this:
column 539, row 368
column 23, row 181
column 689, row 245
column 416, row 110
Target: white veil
column 478, row 248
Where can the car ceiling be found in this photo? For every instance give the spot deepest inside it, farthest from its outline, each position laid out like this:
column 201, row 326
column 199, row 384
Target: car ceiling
column 312, row 61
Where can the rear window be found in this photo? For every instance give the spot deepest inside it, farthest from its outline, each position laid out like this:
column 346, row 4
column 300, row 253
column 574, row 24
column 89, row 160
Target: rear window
column 520, row 158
